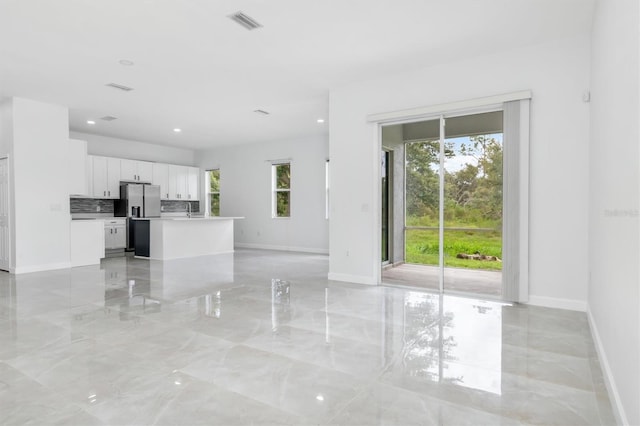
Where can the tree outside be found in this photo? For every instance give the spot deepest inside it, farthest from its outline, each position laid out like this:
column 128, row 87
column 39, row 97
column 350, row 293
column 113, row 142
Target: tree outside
column 283, row 189
column 214, row 192
column 472, row 202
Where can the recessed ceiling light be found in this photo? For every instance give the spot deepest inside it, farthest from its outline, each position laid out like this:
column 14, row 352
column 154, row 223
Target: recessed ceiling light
column 126, row 62
column 320, row 120
column 91, row 122
column 177, row 130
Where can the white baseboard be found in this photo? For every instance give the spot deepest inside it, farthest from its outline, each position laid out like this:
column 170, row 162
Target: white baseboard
column 183, row 257
column 282, row 248
column 40, row 268
column 618, row 409
column 553, row 302
column 357, row 279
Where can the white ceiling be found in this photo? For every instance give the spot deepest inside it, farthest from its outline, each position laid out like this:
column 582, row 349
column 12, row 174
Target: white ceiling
column 197, row 70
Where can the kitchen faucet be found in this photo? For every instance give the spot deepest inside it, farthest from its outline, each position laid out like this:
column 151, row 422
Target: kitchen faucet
column 188, row 210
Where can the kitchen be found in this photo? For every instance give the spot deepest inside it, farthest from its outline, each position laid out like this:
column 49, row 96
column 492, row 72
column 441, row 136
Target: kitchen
column 121, row 206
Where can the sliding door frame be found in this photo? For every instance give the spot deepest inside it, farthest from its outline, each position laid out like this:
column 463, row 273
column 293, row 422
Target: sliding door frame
column 442, row 112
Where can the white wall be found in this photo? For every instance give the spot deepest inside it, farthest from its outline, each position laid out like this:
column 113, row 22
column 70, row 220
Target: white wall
column 614, row 201
column 245, row 190
column 40, row 222
column 135, row 150
column 558, row 74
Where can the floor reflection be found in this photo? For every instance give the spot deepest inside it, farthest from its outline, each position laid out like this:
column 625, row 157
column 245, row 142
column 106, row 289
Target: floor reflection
column 280, row 302
column 211, row 305
column 261, row 337
column 446, row 339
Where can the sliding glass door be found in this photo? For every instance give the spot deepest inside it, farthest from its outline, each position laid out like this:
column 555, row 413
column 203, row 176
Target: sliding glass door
column 453, row 204
column 472, row 208
column 422, row 195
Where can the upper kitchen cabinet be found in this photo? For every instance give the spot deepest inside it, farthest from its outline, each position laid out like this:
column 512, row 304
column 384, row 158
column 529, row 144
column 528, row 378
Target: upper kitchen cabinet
column 105, row 177
column 183, row 182
column 178, row 182
column 145, row 171
column 136, row 171
column 192, row 182
column 78, row 170
column 161, row 178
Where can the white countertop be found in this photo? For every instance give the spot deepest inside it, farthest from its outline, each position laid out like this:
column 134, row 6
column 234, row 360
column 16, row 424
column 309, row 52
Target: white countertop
column 107, row 216
column 184, row 218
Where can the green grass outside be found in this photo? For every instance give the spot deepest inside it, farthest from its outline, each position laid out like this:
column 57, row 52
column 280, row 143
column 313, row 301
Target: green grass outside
column 422, row 247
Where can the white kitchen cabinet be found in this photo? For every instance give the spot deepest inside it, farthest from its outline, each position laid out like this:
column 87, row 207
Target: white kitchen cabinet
column 136, row 171
column 192, row 182
column 105, row 177
column 173, row 182
column 115, row 234
column 113, row 177
column 145, row 171
column 176, row 182
column 77, row 169
column 161, row 178
column 178, row 178
column 128, row 170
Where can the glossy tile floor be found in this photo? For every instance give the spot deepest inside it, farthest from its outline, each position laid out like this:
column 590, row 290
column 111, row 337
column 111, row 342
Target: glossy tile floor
column 262, row 337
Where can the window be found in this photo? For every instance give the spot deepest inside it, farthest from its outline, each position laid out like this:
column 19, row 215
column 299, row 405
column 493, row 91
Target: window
column 213, row 192
column 281, row 190
column 326, row 189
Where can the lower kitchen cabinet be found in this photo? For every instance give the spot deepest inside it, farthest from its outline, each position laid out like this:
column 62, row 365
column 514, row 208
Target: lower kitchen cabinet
column 115, row 234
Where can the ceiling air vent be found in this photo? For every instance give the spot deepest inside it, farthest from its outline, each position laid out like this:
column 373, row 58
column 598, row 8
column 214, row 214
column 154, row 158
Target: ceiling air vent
column 108, row 118
column 244, row 20
column 119, row 87
column 261, row 111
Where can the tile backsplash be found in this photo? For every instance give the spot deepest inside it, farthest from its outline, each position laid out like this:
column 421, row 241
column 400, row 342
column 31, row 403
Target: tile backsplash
column 91, row 205
column 170, row 206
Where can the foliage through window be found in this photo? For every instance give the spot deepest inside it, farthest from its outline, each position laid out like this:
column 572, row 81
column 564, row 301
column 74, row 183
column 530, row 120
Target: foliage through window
column 213, row 192
column 281, row 190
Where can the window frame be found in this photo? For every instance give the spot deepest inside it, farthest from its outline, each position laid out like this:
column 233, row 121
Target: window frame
column 275, row 190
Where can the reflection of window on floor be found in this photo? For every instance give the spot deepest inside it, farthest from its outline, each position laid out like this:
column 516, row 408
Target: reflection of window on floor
column 453, row 340
column 281, row 190
column 213, row 192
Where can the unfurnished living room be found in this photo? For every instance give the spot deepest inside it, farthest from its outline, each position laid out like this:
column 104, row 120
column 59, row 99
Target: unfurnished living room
column 319, row 213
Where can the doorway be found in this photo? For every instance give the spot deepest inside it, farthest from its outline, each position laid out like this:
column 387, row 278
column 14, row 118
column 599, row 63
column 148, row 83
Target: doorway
column 453, row 204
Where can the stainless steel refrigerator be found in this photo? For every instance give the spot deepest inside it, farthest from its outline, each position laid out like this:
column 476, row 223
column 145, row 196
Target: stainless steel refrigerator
column 137, row 201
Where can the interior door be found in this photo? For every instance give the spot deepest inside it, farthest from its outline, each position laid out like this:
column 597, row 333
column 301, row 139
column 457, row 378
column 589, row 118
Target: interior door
column 5, row 232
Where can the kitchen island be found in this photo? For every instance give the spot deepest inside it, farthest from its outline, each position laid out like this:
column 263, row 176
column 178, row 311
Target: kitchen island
column 166, row 238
